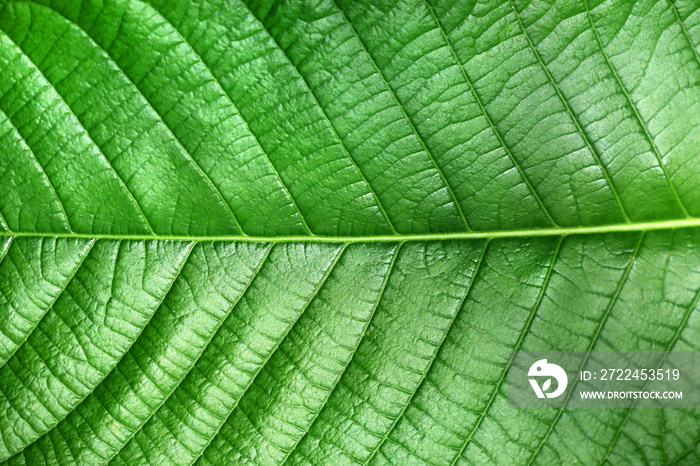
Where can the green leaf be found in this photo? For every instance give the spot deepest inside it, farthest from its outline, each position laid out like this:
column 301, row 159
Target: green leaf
column 314, row 232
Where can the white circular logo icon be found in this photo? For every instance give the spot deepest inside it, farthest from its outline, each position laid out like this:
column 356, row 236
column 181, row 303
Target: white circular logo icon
column 543, row 369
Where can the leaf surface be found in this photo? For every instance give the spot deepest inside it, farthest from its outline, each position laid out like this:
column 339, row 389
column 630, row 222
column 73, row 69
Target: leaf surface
column 314, row 232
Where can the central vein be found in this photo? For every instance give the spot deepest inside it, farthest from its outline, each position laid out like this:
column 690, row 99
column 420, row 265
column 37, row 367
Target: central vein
column 642, row 226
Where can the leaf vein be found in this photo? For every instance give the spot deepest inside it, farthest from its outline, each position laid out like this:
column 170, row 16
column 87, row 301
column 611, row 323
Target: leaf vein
column 570, row 111
column 634, row 109
column 207, row 179
column 604, row 320
column 489, row 120
column 199, row 355
column 322, row 282
column 437, row 351
column 188, row 251
column 521, row 338
column 530, row 233
column 332, row 127
column 55, row 300
column 41, row 169
column 87, row 135
column 684, row 30
column 408, row 119
column 669, row 348
column 354, row 350
column 249, row 129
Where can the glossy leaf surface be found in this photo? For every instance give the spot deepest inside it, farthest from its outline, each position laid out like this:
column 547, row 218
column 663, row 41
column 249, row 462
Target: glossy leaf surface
column 314, row 232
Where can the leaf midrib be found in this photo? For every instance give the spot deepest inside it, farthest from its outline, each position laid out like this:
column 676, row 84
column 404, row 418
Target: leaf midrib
column 532, row 232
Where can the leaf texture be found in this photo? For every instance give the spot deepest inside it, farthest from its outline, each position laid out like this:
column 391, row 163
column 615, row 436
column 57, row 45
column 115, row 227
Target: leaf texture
column 313, row 232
